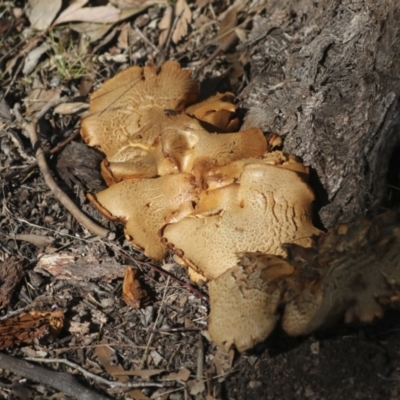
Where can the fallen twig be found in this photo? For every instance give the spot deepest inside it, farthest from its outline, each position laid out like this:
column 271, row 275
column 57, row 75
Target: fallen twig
column 99, row 379
column 34, row 164
column 142, row 363
column 145, row 39
column 61, row 381
column 30, row 129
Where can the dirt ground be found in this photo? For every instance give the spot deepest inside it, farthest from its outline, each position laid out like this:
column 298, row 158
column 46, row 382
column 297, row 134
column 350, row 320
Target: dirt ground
column 49, row 261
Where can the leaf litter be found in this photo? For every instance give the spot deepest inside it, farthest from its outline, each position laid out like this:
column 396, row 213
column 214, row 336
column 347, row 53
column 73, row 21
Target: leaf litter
column 82, row 275
column 69, row 49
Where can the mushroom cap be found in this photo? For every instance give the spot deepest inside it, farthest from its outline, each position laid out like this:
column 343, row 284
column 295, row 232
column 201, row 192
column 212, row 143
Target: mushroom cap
column 147, row 205
column 269, row 207
column 217, row 111
column 227, row 174
column 150, row 165
column 125, row 114
column 244, row 301
column 195, row 150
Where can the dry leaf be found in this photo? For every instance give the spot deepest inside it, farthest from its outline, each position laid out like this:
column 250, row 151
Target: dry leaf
column 91, row 31
column 143, row 373
column 123, row 37
column 123, row 4
column 136, row 394
column 181, row 30
column 182, row 375
column 132, row 292
column 26, row 327
column 164, row 25
column 223, row 362
column 107, row 358
column 41, row 13
column 201, row 3
column 5, row 113
column 33, row 57
column 227, row 33
column 73, row 6
column 86, row 85
column 196, row 387
column 38, row 98
column 71, row 108
column 101, row 14
column 156, row 357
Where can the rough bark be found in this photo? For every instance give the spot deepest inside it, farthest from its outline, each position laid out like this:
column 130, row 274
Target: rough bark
column 326, row 77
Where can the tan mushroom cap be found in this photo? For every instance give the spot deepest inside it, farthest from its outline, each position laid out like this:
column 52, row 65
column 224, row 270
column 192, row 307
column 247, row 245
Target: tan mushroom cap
column 195, row 150
column 126, row 113
column 149, row 165
column 147, row 205
column 244, row 301
column 227, row 174
column 269, row 207
column 217, row 111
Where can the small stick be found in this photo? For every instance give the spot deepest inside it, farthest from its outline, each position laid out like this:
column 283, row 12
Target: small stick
column 99, row 379
column 30, row 129
column 167, row 43
column 171, row 31
column 142, row 363
column 144, row 38
column 200, row 360
column 61, row 381
column 172, row 330
column 62, row 144
column 54, row 150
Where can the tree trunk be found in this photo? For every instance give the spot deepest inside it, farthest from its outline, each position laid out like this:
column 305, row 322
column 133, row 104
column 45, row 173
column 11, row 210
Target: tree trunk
column 326, row 76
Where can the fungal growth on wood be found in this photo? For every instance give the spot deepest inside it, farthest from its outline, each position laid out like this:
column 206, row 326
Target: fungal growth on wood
column 234, row 211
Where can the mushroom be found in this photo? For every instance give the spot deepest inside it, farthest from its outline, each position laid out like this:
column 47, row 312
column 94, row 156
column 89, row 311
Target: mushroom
column 145, row 206
column 126, row 114
column 244, row 301
column 270, row 206
column 195, row 150
column 227, row 174
column 149, row 165
column 354, row 270
column 217, row 112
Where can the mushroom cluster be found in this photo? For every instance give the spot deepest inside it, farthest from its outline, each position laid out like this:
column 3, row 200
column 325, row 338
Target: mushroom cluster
column 183, row 178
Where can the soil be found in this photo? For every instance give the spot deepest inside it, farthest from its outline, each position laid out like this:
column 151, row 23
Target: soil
column 339, row 364
column 359, row 362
